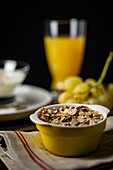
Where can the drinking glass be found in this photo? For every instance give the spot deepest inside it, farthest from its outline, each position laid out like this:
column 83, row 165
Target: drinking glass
column 64, row 42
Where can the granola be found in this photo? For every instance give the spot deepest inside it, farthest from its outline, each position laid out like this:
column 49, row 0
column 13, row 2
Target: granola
column 70, row 116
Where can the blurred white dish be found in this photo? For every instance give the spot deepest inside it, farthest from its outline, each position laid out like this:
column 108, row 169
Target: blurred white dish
column 12, row 73
column 32, row 97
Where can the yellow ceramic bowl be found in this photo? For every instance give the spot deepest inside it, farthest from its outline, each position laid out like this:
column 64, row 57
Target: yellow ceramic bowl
column 71, row 141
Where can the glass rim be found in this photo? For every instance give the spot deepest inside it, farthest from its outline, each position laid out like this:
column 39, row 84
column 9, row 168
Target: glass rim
column 24, row 66
column 64, row 21
column 73, row 27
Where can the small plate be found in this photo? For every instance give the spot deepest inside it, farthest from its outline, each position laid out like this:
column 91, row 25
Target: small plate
column 28, row 99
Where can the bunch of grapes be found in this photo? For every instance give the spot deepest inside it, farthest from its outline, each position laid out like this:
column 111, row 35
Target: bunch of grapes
column 88, row 91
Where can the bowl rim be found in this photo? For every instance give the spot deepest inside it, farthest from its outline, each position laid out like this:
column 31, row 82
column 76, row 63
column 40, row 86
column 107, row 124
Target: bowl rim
column 26, row 66
column 34, row 117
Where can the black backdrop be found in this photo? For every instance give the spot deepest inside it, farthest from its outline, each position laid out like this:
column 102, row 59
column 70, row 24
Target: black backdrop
column 21, row 35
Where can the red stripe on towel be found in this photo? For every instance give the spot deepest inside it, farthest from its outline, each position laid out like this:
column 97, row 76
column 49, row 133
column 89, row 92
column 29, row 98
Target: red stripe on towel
column 38, row 163
column 34, row 153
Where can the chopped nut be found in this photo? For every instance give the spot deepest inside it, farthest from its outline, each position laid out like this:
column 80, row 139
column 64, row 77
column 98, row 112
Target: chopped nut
column 81, row 119
column 55, row 111
column 55, row 121
column 43, row 110
column 81, row 124
column 91, row 122
column 74, row 122
column 95, row 114
column 97, row 120
column 49, row 111
column 72, row 111
column 62, row 119
column 66, row 107
column 65, row 111
column 89, row 113
column 81, row 113
column 101, row 116
column 61, row 109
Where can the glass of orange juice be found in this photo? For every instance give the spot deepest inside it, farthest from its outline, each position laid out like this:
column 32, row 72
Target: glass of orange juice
column 64, row 42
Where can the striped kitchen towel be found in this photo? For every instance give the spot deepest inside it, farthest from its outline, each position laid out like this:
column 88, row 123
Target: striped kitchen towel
column 25, row 151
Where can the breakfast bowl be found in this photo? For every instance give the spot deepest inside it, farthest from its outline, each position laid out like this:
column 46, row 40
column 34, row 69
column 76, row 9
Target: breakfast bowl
column 12, row 74
column 71, row 140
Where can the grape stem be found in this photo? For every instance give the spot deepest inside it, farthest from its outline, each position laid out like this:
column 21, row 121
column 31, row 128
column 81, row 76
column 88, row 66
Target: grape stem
column 103, row 74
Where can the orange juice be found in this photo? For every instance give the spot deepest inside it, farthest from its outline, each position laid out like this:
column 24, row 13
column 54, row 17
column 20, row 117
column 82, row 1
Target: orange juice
column 64, row 56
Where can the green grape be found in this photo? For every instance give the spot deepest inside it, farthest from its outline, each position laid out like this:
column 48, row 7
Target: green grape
column 64, row 96
column 92, row 100
column 85, row 102
column 90, row 81
column 81, row 91
column 110, row 87
column 105, row 99
column 97, row 90
column 71, row 82
column 73, row 101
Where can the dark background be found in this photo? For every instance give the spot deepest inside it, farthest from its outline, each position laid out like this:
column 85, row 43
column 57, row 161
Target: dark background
column 21, row 35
